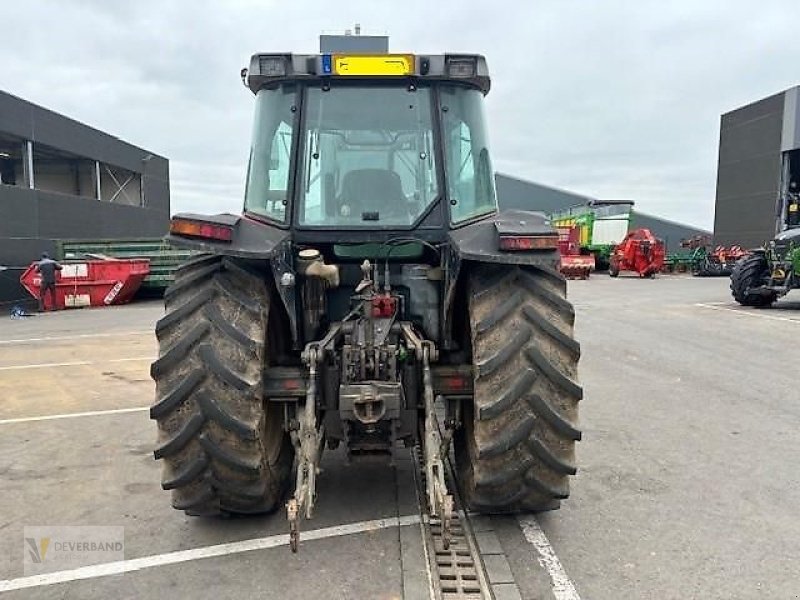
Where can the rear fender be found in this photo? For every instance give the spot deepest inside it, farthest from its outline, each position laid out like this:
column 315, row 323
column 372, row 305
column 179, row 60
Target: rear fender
column 478, row 243
column 251, row 240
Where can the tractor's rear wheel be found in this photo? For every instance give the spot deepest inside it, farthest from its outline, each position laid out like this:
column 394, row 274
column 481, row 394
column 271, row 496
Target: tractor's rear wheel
column 748, row 273
column 223, row 446
column 516, row 449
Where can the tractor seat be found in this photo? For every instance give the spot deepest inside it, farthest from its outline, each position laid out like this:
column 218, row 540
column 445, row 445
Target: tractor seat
column 370, row 192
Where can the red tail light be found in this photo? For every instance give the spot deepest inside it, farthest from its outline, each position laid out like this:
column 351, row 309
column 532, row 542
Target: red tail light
column 529, row 242
column 210, row 231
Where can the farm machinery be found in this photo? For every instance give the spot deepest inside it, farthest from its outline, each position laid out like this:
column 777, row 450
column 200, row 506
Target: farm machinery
column 574, row 264
column 683, row 260
column 698, row 256
column 601, row 225
column 640, row 251
column 719, row 261
column 370, row 297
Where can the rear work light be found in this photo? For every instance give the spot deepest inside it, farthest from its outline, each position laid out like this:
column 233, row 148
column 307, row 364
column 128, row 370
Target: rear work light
column 272, row 66
column 210, row 231
column 529, row 242
column 461, row 66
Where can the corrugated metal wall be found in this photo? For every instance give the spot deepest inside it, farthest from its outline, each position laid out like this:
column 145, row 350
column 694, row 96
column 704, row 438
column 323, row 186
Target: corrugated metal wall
column 748, row 172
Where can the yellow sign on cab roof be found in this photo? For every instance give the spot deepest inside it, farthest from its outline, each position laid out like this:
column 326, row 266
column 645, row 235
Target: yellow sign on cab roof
column 365, row 65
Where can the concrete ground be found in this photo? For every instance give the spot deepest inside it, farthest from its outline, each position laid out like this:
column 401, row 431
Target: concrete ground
column 687, row 486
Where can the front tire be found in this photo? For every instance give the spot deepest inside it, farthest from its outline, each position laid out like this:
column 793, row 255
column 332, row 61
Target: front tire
column 516, row 449
column 748, row 273
column 223, row 445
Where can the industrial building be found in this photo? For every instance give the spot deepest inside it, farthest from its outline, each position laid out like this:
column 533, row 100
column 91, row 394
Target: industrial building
column 759, row 155
column 61, row 179
column 513, row 192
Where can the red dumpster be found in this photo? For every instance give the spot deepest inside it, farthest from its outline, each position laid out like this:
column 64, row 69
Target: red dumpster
column 92, row 282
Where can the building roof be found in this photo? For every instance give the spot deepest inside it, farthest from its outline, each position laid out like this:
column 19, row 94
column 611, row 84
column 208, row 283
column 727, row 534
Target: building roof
column 28, row 121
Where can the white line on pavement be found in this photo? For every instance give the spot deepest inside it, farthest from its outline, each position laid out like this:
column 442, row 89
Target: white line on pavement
column 94, row 413
column 147, row 358
column 58, row 338
column 563, row 588
column 747, row 313
column 77, row 363
column 171, row 558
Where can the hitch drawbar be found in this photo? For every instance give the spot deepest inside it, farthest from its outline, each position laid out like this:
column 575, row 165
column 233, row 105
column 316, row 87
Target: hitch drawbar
column 308, row 437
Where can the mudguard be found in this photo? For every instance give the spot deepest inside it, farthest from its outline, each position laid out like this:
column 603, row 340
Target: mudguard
column 251, row 239
column 479, row 241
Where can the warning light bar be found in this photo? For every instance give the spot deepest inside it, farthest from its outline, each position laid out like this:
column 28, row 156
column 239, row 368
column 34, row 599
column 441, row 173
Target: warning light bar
column 210, row 231
column 528, row 242
column 272, row 69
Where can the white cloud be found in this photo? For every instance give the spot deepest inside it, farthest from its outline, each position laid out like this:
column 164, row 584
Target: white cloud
column 613, row 99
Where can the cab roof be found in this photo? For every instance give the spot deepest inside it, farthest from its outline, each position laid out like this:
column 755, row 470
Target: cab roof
column 267, row 70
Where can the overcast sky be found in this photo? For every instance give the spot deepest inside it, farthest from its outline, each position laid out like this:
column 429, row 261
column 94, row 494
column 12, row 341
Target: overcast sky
column 608, row 98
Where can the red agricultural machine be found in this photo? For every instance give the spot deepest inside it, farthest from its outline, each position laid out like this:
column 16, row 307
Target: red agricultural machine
column 574, row 265
column 640, row 251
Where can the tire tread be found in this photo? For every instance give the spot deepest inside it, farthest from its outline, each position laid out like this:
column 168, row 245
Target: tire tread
column 516, row 449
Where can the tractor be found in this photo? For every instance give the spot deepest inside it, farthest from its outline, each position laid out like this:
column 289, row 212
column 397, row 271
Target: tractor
column 768, row 273
column 370, row 297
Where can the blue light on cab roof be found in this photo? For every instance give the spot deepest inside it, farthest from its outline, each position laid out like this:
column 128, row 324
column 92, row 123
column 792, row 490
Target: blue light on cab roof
column 327, row 64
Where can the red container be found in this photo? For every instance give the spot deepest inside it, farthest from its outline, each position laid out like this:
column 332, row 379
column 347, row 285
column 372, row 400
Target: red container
column 91, row 282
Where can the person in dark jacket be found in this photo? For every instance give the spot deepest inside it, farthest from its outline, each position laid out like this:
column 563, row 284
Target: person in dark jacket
column 47, row 268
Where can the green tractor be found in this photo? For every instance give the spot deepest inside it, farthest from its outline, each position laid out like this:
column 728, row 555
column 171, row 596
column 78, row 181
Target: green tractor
column 370, row 297
column 766, row 274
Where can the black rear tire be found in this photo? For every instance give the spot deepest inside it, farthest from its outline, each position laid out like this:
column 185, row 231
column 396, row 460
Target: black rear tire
column 223, row 446
column 748, row 273
column 516, row 449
